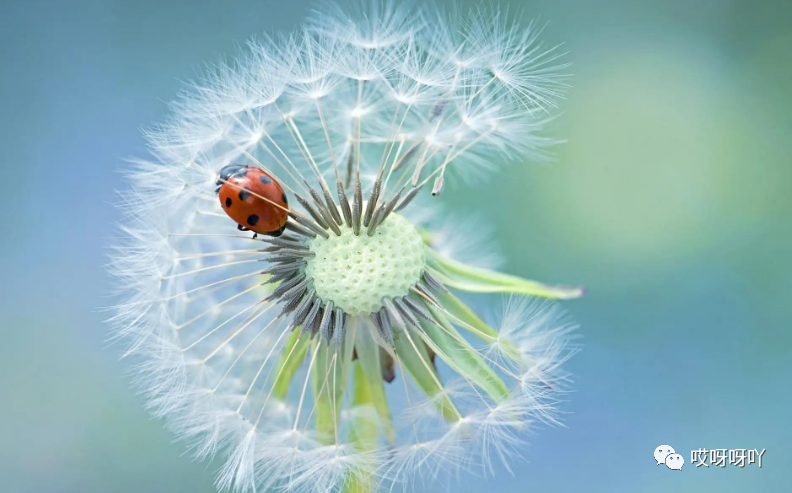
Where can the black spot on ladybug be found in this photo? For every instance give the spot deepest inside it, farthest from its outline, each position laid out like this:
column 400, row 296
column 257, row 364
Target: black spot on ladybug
column 252, row 219
column 228, row 201
column 244, row 194
column 265, row 180
column 283, row 198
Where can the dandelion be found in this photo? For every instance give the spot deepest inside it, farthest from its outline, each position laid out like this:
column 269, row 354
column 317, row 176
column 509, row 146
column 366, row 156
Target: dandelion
column 336, row 354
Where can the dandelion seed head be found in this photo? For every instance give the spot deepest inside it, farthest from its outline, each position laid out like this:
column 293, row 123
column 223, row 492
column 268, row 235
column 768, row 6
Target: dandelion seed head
column 334, row 354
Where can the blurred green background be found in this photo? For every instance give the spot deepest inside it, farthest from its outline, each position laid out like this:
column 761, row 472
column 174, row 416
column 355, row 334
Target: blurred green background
column 670, row 201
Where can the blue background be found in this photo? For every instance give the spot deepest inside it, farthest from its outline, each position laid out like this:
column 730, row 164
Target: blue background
column 670, row 202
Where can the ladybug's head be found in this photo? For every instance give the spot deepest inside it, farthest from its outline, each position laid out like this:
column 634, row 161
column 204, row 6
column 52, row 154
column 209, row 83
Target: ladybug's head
column 228, row 171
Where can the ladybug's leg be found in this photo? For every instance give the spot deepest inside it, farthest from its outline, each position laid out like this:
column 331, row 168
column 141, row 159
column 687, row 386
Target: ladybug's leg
column 242, row 228
column 255, row 235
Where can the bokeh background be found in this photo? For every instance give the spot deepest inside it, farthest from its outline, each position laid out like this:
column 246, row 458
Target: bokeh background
column 671, row 201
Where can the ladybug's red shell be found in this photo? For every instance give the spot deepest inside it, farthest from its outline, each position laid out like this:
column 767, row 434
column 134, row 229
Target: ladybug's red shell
column 241, row 189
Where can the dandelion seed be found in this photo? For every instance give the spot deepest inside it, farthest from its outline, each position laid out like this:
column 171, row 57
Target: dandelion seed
column 329, row 351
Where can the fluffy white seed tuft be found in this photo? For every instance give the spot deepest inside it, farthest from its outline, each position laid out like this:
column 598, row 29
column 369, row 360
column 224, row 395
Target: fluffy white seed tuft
column 380, row 94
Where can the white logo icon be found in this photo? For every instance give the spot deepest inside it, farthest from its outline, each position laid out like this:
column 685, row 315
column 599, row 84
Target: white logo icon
column 662, row 452
column 674, row 461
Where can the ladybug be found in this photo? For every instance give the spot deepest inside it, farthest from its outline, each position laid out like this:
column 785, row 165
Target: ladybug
column 241, row 188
